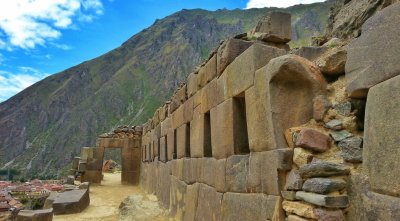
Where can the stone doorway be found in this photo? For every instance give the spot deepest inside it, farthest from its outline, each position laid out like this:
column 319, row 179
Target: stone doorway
column 130, row 160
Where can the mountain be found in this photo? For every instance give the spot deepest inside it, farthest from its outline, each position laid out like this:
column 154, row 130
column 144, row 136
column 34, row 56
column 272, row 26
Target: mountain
column 45, row 125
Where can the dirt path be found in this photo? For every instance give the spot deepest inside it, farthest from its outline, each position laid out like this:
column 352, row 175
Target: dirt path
column 104, row 200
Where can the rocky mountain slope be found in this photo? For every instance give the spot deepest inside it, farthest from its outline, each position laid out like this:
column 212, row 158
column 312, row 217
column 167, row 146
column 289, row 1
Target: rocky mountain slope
column 42, row 127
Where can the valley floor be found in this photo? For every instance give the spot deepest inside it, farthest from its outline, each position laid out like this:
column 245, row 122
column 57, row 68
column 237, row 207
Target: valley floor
column 105, row 200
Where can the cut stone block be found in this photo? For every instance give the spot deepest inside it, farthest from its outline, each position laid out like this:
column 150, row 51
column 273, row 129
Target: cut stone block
column 192, row 85
column 92, row 176
column 237, row 168
column 228, row 51
column 94, row 164
column 191, row 200
column 200, row 134
column 183, row 141
column 73, row 201
column 381, row 137
column 239, row 75
column 86, row 152
column 165, row 126
column 163, row 149
column 197, row 98
column 35, row 215
column 274, row 27
column 228, row 129
column 267, row 171
column 209, row 204
column 192, row 169
column 212, row 95
column 214, row 173
column 75, row 163
column 281, row 98
column 371, row 59
column 341, row 201
column 177, row 196
column 207, row 72
column 178, row 99
column 251, row 206
column 171, row 144
column 130, row 177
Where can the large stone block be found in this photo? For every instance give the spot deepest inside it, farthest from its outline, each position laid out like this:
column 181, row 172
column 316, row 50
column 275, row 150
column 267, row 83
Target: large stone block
column 239, row 75
column 207, row 72
column 274, row 27
column 228, row 51
column 209, row 204
column 192, row 85
column 212, row 95
column 86, row 152
column 130, row 177
column 280, row 99
column 251, row 206
column 191, row 200
column 94, row 164
column 74, row 201
column 92, row 176
column 192, row 169
column 372, row 59
column 98, row 152
column 267, row 171
column 183, row 114
column 183, row 141
column 75, row 162
column 163, row 112
column 200, row 134
column 229, row 129
column 165, row 126
column 381, row 137
column 178, row 99
column 35, row 215
column 171, row 144
column 237, row 169
column 214, row 173
column 177, row 198
column 163, row 149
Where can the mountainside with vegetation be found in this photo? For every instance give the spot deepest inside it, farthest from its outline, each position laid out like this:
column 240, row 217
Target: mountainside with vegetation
column 44, row 126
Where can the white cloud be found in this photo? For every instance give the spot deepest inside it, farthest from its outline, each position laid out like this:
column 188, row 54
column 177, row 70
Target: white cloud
column 11, row 84
column 277, row 3
column 27, row 23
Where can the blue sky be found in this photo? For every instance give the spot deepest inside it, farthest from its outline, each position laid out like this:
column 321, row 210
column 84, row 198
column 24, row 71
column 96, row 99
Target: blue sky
column 43, row 37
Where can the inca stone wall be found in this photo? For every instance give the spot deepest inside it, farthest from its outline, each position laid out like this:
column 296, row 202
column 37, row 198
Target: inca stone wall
column 261, row 133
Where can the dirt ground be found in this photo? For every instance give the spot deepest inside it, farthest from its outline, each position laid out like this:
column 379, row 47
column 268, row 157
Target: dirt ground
column 105, row 200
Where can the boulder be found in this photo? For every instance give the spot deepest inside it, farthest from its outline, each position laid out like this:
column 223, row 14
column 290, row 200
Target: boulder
column 373, row 57
column 311, row 53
